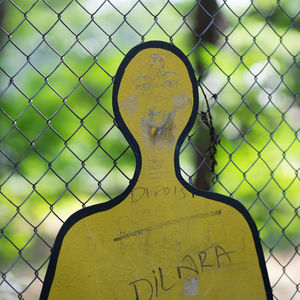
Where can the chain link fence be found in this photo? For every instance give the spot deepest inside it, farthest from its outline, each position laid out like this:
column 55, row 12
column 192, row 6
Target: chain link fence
column 60, row 149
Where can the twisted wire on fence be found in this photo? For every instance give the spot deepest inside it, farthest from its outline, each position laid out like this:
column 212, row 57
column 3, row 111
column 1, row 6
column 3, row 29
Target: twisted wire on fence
column 61, row 150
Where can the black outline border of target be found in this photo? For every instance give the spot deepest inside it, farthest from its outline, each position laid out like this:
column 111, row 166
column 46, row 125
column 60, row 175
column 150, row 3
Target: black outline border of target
column 127, row 134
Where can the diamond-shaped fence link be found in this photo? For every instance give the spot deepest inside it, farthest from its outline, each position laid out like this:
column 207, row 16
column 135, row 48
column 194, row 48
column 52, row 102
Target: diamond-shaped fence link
column 60, row 149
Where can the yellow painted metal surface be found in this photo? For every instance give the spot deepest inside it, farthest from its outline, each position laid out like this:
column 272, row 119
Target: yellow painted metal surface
column 161, row 242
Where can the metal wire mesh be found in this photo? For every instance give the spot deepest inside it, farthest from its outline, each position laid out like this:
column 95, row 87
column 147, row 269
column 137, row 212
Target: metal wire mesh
column 60, row 149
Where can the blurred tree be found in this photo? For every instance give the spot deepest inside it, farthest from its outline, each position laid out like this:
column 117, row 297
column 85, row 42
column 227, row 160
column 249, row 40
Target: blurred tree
column 206, row 20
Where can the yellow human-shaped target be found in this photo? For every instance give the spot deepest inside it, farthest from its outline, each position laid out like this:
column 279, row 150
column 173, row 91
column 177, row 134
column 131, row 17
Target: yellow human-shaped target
column 161, row 238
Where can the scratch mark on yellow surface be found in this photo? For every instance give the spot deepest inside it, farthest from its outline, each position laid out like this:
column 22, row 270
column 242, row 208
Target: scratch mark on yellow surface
column 167, row 223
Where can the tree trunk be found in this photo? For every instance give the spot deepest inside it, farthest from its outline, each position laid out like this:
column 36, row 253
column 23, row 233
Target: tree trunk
column 205, row 31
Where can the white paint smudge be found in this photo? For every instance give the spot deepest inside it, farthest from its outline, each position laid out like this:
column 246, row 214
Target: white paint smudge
column 191, row 286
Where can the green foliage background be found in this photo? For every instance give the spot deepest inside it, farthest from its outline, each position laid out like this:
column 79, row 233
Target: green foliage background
column 60, row 148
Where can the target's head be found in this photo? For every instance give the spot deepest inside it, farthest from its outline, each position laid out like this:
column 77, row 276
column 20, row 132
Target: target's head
column 155, row 94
